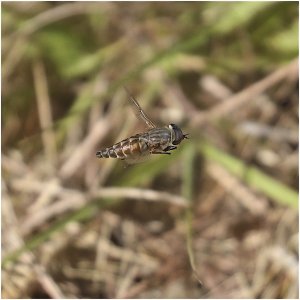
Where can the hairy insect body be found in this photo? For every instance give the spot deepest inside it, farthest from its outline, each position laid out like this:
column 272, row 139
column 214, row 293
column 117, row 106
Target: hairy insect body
column 154, row 141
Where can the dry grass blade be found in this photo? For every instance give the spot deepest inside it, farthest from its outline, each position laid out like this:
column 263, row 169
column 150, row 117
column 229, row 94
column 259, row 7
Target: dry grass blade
column 85, row 150
column 255, row 204
column 223, row 208
column 140, row 194
column 252, row 176
column 19, row 39
column 47, row 282
column 72, row 199
column 24, row 272
column 45, row 111
column 53, row 15
column 237, row 100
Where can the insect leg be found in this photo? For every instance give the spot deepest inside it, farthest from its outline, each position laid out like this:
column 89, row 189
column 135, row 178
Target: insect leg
column 170, row 148
column 159, row 152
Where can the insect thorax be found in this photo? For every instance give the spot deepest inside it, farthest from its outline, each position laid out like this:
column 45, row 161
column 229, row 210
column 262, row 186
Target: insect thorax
column 160, row 137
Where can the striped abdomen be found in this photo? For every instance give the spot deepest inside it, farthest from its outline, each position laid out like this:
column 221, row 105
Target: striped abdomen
column 138, row 145
column 131, row 147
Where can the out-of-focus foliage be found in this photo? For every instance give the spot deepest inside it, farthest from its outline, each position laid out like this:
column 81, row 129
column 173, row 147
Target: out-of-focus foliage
column 64, row 66
column 77, row 47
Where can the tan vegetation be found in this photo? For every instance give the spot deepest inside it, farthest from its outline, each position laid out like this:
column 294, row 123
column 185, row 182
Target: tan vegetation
column 216, row 219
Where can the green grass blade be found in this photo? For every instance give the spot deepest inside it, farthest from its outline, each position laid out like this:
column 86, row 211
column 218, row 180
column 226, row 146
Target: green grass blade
column 252, row 176
column 189, row 156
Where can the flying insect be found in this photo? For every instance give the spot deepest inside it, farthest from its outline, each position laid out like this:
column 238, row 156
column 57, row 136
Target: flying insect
column 156, row 140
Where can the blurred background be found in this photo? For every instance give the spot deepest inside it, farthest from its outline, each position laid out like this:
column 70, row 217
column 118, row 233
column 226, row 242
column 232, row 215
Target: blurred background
column 216, row 219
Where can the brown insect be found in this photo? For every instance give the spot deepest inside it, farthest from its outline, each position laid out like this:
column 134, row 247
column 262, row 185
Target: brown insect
column 157, row 140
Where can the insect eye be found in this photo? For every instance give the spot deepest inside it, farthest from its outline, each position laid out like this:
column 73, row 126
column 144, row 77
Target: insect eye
column 178, row 136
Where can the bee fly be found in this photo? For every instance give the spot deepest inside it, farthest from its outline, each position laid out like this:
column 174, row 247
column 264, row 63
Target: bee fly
column 157, row 140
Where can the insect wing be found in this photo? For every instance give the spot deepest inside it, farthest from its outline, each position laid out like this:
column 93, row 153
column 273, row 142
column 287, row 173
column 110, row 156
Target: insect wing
column 136, row 160
column 138, row 111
